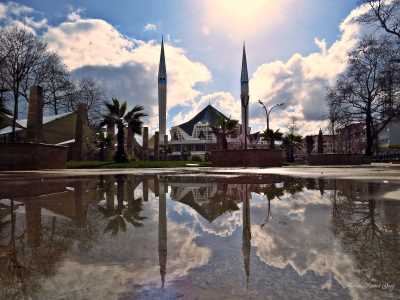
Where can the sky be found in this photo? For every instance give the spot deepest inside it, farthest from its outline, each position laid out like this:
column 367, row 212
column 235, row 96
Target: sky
column 295, row 49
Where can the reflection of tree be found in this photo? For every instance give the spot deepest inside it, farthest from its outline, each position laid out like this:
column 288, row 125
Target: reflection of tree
column 366, row 233
column 128, row 208
column 22, row 262
column 293, row 185
column 271, row 192
column 277, row 190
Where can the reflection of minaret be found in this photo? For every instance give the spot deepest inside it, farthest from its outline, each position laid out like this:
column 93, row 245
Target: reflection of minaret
column 162, row 95
column 162, row 231
column 244, row 94
column 246, row 237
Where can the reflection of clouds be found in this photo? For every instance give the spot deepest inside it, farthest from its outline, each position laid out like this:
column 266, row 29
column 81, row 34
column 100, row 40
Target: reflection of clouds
column 128, row 259
column 222, row 226
column 300, row 235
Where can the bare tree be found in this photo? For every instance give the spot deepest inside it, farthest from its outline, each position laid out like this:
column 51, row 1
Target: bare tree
column 25, row 53
column 57, row 84
column 383, row 13
column 89, row 92
column 359, row 92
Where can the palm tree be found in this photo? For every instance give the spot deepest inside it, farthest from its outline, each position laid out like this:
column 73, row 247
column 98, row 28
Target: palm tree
column 290, row 143
column 224, row 128
column 117, row 115
column 134, row 119
column 272, row 136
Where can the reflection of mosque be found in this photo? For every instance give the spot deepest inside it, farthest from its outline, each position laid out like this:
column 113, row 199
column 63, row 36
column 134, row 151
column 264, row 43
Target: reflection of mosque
column 355, row 212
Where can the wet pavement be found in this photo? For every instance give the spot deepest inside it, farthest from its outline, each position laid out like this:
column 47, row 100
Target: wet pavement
column 198, row 235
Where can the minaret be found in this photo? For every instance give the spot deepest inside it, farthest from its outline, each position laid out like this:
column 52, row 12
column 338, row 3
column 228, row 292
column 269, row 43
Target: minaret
column 162, row 94
column 244, row 95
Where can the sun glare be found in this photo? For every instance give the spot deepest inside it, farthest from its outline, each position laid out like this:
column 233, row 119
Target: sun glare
column 244, row 17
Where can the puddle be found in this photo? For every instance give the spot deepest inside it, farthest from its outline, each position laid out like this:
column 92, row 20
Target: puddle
column 199, row 237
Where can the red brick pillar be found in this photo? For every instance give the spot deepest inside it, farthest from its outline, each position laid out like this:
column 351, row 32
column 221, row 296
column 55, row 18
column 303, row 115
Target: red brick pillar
column 33, row 223
column 145, row 143
column 156, row 146
column 35, row 115
column 80, row 147
column 129, row 142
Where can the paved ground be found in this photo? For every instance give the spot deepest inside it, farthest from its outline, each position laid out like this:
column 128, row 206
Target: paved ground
column 368, row 172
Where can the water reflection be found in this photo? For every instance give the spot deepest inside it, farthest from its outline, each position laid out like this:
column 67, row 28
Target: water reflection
column 175, row 236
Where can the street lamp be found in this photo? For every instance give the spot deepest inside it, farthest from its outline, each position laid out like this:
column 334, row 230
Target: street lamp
column 268, row 110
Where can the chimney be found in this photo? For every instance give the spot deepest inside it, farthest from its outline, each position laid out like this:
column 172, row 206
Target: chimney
column 146, row 143
column 35, row 115
column 156, row 146
column 79, row 148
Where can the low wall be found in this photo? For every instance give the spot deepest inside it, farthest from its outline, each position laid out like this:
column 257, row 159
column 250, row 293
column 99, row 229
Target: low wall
column 337, row 159
column 31, row 156
column 247, row 158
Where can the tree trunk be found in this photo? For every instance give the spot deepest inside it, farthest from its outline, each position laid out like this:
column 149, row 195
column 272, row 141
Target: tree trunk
column 368, row 131
column 224, row 142
column 55, row 106
column 272, row 143
column 120, row 156
column 15, row 117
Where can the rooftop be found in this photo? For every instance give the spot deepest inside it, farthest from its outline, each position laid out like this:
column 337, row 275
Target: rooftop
column 208, row 115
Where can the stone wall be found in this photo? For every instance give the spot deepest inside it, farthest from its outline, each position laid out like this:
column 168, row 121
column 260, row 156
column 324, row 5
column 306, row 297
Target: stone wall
column 35, row 115
column 336, row 159
column 247, row 158
column 29, row 156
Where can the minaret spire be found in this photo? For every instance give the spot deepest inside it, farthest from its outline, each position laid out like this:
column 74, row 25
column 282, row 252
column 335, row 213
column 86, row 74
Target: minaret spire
column 244, row 78
column 244, row 96
column 162, row 94
column 162, row 71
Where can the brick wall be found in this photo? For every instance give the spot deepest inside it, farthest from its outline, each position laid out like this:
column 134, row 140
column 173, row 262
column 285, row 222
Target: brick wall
column 336, row 159
column 27, row 156
column 247, row 158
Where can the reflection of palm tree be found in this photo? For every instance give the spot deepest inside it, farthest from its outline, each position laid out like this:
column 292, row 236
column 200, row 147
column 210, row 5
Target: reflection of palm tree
column 271, row 192
column 293, row 186
column 123, row 214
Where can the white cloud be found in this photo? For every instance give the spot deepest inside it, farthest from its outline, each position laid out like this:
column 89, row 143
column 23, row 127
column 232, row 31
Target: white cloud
column 3, row 11
column 128, row 69
column 15, row 9
column 223, row 101
column 240, row 19
column 150, row 27
column 205, row 30
column 301, row 81
column 96, row 48
column 15, row 14
column 75, row 14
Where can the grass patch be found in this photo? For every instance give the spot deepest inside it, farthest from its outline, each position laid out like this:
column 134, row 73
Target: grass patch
column 132, row 164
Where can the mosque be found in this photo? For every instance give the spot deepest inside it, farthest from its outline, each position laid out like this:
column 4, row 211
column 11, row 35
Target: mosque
column 195, row 136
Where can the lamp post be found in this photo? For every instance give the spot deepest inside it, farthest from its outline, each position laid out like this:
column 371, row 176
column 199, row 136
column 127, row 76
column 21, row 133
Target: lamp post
column 268, row 110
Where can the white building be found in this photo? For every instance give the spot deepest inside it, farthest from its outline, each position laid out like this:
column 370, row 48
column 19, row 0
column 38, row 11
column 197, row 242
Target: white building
column 195, row 137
